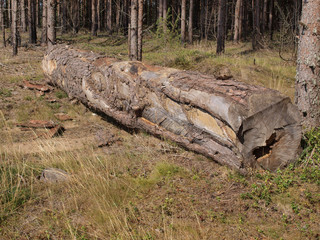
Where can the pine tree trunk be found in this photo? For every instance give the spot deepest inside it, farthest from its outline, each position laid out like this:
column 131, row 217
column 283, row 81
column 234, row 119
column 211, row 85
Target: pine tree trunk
column 190, row 27
column 183, row 21
column 98, row 16
column 118, row 9
column 14, row 27
column 94, row 18
column 64, row 16
column 202, row 19
column 308, row 65
column 140, row 25
column 3, row 24
column 23, row 16
column 256, row 35
column 271, row 19
column 32, row 21
column 221, row 27
column 51, row 24
column 109, row 16
column 264, row 17
column 237, row 21
column 44, row 37
column 164, row 13
column 160, row 9
column 134, row 31
column 236, row 124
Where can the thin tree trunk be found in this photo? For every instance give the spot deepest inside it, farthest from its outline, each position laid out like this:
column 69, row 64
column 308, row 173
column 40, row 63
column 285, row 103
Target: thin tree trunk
column 183, row 21
column 64, row 16
column 256, row 36
column 23, row 16
column 51, row 25
column 118, row 15
column 98, row 16
column 3, row 23
column 264, row 16
column 94, row 18
column 307, row 95
column 140, row 25
column 190, row 27
column 202, row 19
column 44, row 38
column 134, row 31
column 221, row 27
column 109, row 16
column 160, row 9
column 237, row 21
column 164, row 15
column 14, row 27
column 32, row 22
column 271, row 19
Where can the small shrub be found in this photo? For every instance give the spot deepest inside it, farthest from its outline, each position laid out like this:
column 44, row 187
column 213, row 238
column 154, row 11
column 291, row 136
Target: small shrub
column 60, row 94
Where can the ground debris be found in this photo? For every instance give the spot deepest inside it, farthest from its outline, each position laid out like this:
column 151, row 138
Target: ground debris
column 32, row 86
column 37, row 124
column 63, row 117
column 104, row 138
column 53, row 132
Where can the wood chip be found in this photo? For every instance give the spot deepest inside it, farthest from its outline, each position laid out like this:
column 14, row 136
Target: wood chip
column 37, row 124
column 38, row 87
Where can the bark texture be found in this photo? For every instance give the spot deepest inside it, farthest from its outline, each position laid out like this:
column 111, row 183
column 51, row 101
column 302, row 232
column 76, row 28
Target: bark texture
column 234, row 123
column 308, row 65
column 14, row 27
column 51, row 23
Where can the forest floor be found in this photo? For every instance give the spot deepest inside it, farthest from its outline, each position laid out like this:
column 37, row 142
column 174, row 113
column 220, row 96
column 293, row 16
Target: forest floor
column 139, row 186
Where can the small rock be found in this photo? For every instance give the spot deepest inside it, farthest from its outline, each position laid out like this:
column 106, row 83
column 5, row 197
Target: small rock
column 104, row 138
column 53, row 175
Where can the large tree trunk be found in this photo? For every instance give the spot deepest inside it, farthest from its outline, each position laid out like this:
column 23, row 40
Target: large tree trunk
column 221, row 27
column 234, row 123
column 308, row 67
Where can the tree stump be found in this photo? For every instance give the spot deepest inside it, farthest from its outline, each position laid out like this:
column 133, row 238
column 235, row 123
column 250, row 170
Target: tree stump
column 236, row 124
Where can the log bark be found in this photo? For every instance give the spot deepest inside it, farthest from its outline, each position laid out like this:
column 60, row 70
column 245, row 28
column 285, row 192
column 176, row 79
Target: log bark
column 236, row 124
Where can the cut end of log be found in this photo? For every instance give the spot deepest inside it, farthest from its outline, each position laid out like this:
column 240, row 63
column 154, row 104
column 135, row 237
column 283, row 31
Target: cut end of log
column 236, row 124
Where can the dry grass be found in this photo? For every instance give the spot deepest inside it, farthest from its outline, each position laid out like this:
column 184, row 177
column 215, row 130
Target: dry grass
column 142, row 187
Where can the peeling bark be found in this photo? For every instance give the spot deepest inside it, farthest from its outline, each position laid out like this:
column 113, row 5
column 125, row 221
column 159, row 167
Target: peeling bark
column 234, row 123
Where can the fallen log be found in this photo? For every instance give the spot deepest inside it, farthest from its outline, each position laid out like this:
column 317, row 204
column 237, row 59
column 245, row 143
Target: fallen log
column 236, row 124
